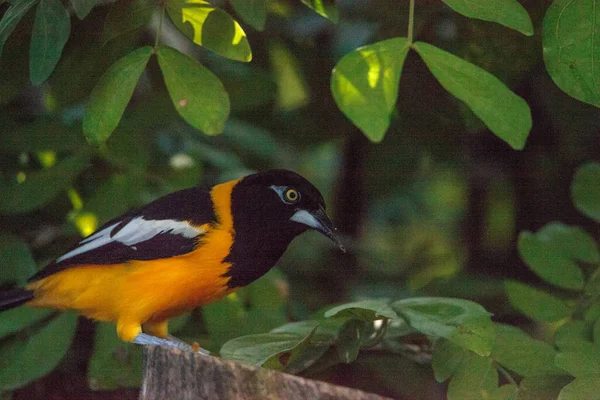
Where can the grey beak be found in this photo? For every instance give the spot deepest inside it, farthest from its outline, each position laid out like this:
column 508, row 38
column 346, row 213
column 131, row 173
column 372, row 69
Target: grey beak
column 319, row 221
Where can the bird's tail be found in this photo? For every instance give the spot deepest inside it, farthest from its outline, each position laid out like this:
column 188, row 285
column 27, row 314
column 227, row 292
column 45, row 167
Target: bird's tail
column 14, row 298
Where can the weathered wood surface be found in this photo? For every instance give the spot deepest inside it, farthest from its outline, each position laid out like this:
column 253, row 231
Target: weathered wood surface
column 171, row 374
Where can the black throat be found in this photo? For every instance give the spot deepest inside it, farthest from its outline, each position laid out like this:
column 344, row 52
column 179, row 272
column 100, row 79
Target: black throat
column 262, row 234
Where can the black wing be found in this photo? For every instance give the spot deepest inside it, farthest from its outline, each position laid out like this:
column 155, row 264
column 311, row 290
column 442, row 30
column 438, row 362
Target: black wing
column 166, row 227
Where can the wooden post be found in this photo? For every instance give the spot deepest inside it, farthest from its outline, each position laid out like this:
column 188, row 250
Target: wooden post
column 171, row 374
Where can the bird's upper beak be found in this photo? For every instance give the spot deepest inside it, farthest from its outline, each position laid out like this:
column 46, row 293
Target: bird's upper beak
column 318, row 220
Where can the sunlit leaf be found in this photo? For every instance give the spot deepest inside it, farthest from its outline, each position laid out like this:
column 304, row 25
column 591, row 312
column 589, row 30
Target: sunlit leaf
column 585, row 190
column 198, row 95
column 463, row 322
column 571, row 45
column 587, row 387
column 114, row 363
column 112, row 94
column 365, row 84
column 509, row 13
column 50, row 33
column 83, row 7
column 210, row 27
column 11, row 18
column 519, row 352
column 475, row 378
column 535, row 303
column 38, row 355
column 254, row 12
column 505, row 114
column 326, row 8
column 552, row 253
column 126, row 16
column 41, row 187
column 366, row 310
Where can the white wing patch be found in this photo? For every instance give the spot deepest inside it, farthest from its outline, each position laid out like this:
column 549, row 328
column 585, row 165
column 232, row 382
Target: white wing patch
column 135, row 231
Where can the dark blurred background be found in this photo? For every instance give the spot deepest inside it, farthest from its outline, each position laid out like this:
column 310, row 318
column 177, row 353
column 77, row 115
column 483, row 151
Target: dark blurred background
column 434, row 209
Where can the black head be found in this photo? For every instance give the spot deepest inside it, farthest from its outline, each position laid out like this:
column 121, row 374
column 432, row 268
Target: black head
column 269, row 210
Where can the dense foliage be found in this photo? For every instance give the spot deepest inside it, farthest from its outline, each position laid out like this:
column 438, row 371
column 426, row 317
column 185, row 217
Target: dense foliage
column 118, row 103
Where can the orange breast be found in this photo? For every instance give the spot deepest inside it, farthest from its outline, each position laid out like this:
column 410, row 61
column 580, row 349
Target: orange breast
column 152, row 290
column 141, row 290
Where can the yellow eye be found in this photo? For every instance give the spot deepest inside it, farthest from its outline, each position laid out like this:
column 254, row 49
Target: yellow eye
column 291, row 195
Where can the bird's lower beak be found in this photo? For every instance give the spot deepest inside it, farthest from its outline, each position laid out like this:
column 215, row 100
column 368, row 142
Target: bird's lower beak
column 319, row 221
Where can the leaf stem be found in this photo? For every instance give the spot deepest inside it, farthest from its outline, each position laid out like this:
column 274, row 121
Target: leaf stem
column 159, row 30
column 411, row 21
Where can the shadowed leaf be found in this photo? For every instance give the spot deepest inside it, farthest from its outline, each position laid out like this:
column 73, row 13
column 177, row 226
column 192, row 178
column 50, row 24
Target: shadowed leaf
column 112, row 94
column 509, row 13
column 50, row 34
column 505, row 114
column 197, row 94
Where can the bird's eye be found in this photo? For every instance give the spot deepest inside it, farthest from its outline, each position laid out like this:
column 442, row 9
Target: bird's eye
column 291, row 195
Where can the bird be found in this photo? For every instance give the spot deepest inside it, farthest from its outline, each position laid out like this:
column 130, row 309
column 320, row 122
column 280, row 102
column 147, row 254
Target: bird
column 181, row 251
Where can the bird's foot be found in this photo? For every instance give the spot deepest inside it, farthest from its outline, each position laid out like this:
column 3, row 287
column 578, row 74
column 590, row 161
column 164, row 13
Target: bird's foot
column 169, row 341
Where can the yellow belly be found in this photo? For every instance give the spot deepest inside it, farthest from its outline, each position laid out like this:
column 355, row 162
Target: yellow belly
column 141, row 291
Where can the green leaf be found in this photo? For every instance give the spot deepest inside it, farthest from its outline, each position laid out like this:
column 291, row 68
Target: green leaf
column 552, row 253
column 536, row 304
column 461, row 321
column 126, row 16
column 506, row 392
column 587, row 388
column 18, row 138
column 579, row 363
column 585, row 190
column 474, row 379
column 210, row 27
column 198, row 95
column 17, row 319
column 517, row 351
column 83, row 7
column 365, row 84
column 114, row 364
column 41, row 187
column 50, row 34
column 270, row 350
column 446, row 358
column 253, row 12
column 11, row 18
column 476, row 334
column 574, row 336
column 326, row 332
column 224, row 329
column 542, row 387
column 596, row 332
column 505, row 114
column 366, row 310
column 570, row 47
column 349, row 339
column 325, row 8
column 39, row 355
column 112, row 94
column 509, row 13
column 16, row 260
